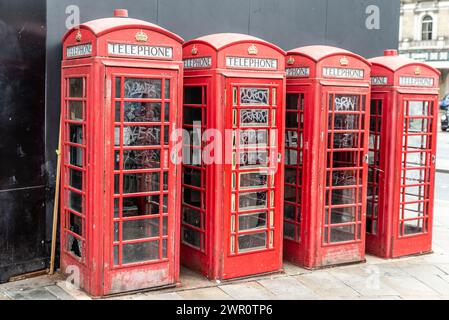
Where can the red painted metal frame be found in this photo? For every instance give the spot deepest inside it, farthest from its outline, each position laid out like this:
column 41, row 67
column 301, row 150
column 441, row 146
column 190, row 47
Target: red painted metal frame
column 314, row 244
column 215, row 258
column 96, row 271
column 395, row 190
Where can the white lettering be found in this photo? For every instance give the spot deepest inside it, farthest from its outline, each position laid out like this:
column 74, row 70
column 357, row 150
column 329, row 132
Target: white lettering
column 79, row 51
column 298, row 72
column 197, row 63
column 379, row 81
column 416, row 81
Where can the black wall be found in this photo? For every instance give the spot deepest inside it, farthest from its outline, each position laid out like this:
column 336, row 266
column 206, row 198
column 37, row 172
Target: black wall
column 23, row 246
column 28, row 141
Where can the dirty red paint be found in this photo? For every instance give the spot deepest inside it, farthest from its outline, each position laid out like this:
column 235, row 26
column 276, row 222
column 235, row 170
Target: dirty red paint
column 328, row 94
column 232, row 212
column 404, row 121
column 121, row 88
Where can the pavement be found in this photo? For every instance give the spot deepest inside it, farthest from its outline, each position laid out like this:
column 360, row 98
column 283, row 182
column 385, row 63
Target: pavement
column 423, row 277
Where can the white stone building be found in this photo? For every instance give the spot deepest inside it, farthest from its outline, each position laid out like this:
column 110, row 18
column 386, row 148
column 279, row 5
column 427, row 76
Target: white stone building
column 424, row 34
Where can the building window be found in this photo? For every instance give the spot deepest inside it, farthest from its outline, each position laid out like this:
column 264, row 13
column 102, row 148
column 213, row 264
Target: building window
column 427, row 28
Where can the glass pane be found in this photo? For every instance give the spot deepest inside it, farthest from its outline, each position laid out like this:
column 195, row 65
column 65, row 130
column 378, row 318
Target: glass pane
column 346, row 122
column 292, row 120
column 344, row 196
column 289, row 231
column 140, row 206
column 289, row 212
column 343, row 234
column 76, row 179
column 142, row 136
column 192, row 197
column 417, row 108
column 167, row 112
column 344, row 141
column 192, row 177
column 140, row 252
column 192, row 116
column 290, row 176
column 345, row 103
column 253, row 180
column 417, row 125
column 254, row 137
column 118, row 87
column 143, row 88
column 250, row 242
column 193, row 95
column 345, row 178
column 253, row 200
column 140, row 229
column 141, row 182
column 413, row 227
column 291, row 157
column 254, row 117
column 343, row 215
column 141, row 159
column 75, row 110
column 290, row 194
column 252, row 221
column 76, row 88
column 292, row 139
column 191, row 217
column 76, row 202
column 254, row 159
column 191, row 237
column 292, row 101
column 143, row 112
column 254, row 96
column 76, row 133
column 76, row 224
column 167, row 89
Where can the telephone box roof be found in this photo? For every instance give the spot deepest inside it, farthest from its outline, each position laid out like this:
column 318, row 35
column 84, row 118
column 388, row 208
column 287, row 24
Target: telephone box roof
column 220, row 41
column 100, row 27
column 392, row 61
column 319, row 52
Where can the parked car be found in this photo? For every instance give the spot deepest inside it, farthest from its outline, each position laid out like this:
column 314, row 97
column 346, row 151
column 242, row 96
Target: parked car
column 445, row 121
column 444, row 103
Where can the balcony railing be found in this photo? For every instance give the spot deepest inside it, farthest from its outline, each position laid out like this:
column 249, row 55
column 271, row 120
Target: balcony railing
column 424, row 44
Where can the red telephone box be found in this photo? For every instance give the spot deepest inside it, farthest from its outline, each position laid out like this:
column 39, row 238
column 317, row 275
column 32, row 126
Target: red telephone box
column 403, row 134
column 326, row 150
column 232, row 204
column 121, row 87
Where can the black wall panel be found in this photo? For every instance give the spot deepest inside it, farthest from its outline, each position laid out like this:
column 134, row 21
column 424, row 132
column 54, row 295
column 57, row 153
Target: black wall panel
column 23, row 246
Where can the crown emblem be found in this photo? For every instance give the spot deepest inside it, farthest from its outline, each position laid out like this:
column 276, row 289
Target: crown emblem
column 344, row 61
column 290, row 61
column 141, row 36
column 418, row 71
column 78, row 36
column 194, row 50
column 253, row 50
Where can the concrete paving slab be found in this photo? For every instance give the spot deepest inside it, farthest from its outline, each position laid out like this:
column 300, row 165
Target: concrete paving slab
column 443, row 267
column 248, row 290
column 288, row 288
column 212, row 293
column 59, row 293
column 31, row 294
column 422, row 269
column 410, row 286
column 372, row 284
column 293, row 270
column 76, row 293
column 324, row 284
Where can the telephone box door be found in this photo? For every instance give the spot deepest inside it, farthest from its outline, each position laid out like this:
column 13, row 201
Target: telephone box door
column 417, row 136
column 253, row 182
column 142, row 244
column 345, row 172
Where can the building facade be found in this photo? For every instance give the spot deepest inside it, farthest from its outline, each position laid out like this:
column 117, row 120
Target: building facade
column 424, row 35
